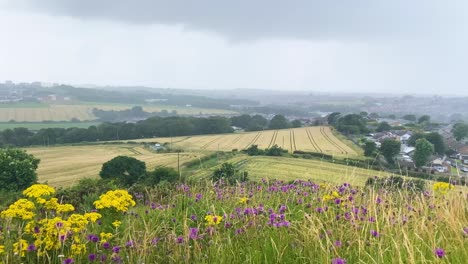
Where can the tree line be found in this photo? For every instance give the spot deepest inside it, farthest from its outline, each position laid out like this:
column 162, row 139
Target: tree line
column 149, row 128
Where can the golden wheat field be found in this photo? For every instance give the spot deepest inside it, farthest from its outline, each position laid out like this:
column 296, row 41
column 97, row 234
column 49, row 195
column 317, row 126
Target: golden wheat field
column 286, row 169
column 84, row 112
column 315, row 139
column 65, row 165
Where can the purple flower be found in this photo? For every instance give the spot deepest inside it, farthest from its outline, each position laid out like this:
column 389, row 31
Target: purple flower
column 193, row 217
column 180, row 240
column 116, row 249
column 103, row 258
column 338, row 261
column 374, row 233
column 338, row 243
column 93, row 238
column 32, row 247
column 92, row 257
column 465, row 230
column 59, row 225
column 68, row 261
column 193, row 233
column 439, row 252
column 106, row 245
column 129, row 243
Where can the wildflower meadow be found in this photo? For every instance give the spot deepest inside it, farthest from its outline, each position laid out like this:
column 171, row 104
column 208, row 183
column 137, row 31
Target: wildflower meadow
column 254, row 222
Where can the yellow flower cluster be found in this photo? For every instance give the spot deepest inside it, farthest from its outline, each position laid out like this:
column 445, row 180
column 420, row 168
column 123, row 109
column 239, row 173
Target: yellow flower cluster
column 243, row 200
column 442, row 187
column 22, row 209
column 213, row 219
column 116, row 224
column 2, row 250
column 93, row 216
column 120, row 200
column 39, row 191
column 53, row 204
column 20, row 247
column 328, row 197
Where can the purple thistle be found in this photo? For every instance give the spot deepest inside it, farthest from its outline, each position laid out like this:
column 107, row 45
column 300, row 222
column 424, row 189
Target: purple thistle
column 129, row 243
column 193, row 217
column 32, row 247
column 92, row 257
column 116, row 249
column 106, row 245
column 193, row 233
column 338, row 261
column 338, row 243
column 68, row 261
column 439, row 252
column 374, row 233
column 180, row 240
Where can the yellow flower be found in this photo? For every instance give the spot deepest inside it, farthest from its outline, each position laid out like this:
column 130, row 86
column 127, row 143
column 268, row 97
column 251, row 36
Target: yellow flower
column 39, row 191
column 93, row 216
column 64, row 208
column 243, row 200
column 2, row 250
column 21, row 209
column 105, row 236
column 213, row 219
column 20, row 248
column 442, row 187
column 78, row 249
column 116, row 224
column 328, row 197
column 77, row 222
column 120, row 200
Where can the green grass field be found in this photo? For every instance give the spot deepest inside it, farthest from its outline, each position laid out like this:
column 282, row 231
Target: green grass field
column 37, row 112
column 285, row 168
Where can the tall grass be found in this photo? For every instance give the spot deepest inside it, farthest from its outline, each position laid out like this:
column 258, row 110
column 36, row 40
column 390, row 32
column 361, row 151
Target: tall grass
column 277, row 222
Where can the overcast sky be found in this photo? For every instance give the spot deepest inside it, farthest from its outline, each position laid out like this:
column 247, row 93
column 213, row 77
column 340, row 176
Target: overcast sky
column 396, row 46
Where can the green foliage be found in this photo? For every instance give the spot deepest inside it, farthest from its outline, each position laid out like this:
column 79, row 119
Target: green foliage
column 296, row 123
column 411, row 118
column 253, row 150
column 228, row 173
column 389, row 149
column 424, row 119
column 83, row 194
column 370, row 148
column 17, row 169
column 275, row 150
column 393, row 183
column 460, row 131
column 125, row 170
column 435, row 138
column 161, row 174
column 279, row 122
column 350, row 124
column 383, row 126
column 424, row 150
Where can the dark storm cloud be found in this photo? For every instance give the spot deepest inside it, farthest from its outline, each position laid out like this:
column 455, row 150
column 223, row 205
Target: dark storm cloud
column 306, row 19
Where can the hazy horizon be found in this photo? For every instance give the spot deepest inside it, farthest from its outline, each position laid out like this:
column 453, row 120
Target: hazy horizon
column 395, row 47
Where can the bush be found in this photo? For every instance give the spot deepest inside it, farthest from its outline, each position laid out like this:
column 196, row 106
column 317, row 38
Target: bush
column 17, row 169
column 275, row 151
column 125, row 170
column 161, row 174
column 253, row 150
column 229, row 174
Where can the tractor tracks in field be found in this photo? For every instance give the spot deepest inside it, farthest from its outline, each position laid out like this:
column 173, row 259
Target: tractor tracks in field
column 312, row 141
column 273, row 139
column 327, row 137
column 253, row 140
column 292, row 140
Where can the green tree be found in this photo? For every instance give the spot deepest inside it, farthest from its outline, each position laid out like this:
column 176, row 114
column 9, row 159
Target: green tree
column 389, row 149
column 278, row 122
column 17, row 169
column 333, row 118
column 296, row 123
column 424, row 119
column 438, row 141
column 253, row 150
column 424, row 150
column 411, row 118
column 383, row 126
column 412, row 140
column 126, row 170
column 161, row 174
column 370, row 148
column 460, row 131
